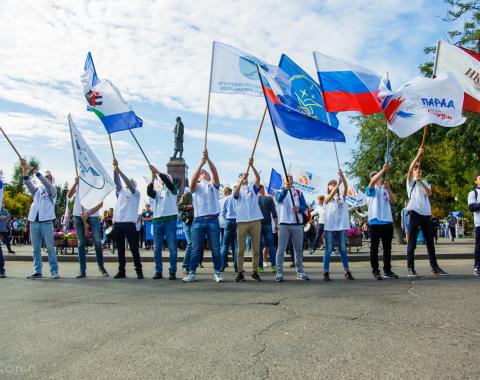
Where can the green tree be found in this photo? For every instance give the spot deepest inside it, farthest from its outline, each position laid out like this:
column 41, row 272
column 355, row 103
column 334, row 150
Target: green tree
column 16, row 185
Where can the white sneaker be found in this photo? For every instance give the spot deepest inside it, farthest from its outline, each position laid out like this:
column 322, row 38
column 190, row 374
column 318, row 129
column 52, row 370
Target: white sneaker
column 191, row 277
column 218, row 277
column 265, row 264
column 55, row 276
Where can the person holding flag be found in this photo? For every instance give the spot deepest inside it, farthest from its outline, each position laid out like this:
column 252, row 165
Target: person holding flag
column 205, row 190
column 165, row 214
column 41, row 217
column 248, row 216
column 124, row 221
column 420, row 212
column 82, row 218
column 380, row 222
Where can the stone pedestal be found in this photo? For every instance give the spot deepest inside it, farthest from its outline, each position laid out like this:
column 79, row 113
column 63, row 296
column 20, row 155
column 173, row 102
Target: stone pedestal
column 178, row 170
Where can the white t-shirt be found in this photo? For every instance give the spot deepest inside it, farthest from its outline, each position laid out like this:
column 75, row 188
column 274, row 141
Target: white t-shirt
column 221, row 219
column 126, row 209
column 320, row 211
column 205, row 199
column 246, row 204
column 472, row 200
column 419, row 201
column 379, row 208
column 336, row 215
column 77, row 208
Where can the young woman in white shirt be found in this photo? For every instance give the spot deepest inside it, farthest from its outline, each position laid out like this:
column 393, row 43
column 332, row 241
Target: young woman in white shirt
column 336, row 223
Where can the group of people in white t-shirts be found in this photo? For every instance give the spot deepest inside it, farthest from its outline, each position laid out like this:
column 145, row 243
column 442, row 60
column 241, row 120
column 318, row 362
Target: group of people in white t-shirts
column 243, row 216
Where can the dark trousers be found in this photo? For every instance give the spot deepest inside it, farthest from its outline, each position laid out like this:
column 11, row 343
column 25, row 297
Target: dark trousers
column 2, row 262
column 423, row 223
column 6, row 240
column 318, row 236
column 127, row 230
column 477, row 247
column 383, row 232
column 452, row 233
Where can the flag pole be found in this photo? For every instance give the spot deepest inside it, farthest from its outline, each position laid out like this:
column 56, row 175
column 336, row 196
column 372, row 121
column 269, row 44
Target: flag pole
column 208, row 101
column 11, row 144
column 111, row 145
column 258, row 136
column 144, row 155
column 434, row 74
column 76, row 170
column 278, row 144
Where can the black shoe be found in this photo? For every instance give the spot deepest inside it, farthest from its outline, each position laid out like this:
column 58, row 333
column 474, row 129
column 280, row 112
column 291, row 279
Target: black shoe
column 240, row 277
column 376, row 276
column 201, row 266
column 312, row 251
column 2, row 275
column 11, row 252
column 223, row 269
column 172, row 276
column 348, row 275
column 412, row 272
column 157, row 276
column 82, row 274
column 326, row 276
column 390, row 274
column 103, row 272
column 292, row 265
column 139, row 275
column 120, row 275
column 34, row 276
column 256, row 277
column 438, row 272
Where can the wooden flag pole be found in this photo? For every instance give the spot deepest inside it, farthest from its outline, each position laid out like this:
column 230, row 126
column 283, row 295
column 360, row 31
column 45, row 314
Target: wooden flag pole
column 258, row 136
column 111, row 145
column 11, row 144
column 144, row 155
column 208, row 101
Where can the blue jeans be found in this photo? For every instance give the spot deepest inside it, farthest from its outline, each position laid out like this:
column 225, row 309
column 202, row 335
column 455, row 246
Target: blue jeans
column 2, row 262
column 187, row 229
column 211, row 228
column 229, row 240
column 342, row 247
column 169, row 231
column 94, row 224
column 43, row 231
column 266, row 238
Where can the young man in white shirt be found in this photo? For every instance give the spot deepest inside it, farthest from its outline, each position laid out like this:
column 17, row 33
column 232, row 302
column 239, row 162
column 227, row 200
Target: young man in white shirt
column 82, row 217
column 249, row 216
column 420, row 213
column 41, row 217
column 205, row 191
column 124, row 221
column 290, row 221
column 165, row 214
column 380, row 222
column 474, row 206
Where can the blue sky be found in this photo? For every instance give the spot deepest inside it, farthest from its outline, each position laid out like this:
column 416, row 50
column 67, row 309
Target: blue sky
column 158, row 54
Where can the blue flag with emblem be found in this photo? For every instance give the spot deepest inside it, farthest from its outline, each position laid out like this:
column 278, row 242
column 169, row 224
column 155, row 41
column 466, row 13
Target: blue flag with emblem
column 275, row 181
column 306, row 92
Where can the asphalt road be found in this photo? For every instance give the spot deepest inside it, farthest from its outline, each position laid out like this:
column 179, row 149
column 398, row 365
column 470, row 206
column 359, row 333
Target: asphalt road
column 96, row 328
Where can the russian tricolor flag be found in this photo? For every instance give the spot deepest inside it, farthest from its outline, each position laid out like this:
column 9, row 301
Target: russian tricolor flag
column 347, row 86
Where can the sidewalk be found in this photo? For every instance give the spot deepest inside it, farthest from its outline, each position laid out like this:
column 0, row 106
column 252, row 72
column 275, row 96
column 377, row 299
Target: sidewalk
column 460, row 249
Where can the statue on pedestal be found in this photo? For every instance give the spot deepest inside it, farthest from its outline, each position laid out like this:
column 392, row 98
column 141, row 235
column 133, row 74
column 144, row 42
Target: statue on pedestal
column 178, row 138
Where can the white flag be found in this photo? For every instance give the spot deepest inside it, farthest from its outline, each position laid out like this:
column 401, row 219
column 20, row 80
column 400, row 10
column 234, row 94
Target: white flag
column 307, row 182
column 234, row 71
column 423, row 101
column 355, row 197
column 94, row 183
column 465, row 65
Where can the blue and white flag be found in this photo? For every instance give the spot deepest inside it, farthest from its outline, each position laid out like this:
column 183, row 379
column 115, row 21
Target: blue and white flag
column 275, row 181
column 105, row 100
column 94, row 183
column 234, row 71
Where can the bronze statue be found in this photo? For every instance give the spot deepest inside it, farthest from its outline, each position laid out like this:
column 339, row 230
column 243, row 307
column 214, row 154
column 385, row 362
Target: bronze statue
column 178, row 138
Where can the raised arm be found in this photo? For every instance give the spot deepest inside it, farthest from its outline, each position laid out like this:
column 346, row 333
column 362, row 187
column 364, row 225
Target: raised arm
column 238, row 186
column 125, row 179
column 391, row 197
column 52, row 191
column 344, row 181
column 377, row 176
column 73, row 189
column 255, row 172
column 26, row 178
column 197, row 172
column 213, row 169
column 330, row 196
column 417, row 158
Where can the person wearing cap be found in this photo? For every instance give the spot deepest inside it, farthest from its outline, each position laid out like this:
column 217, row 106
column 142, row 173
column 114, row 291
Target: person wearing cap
column 124, row 221
column 230, row 233
column 41, row 217
column 290, row 221
column 165, row 213
column 249, row 216
column 420, row 213
column 185, row 207
column 82, row 217
column 205, row 191
column 380, row 222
